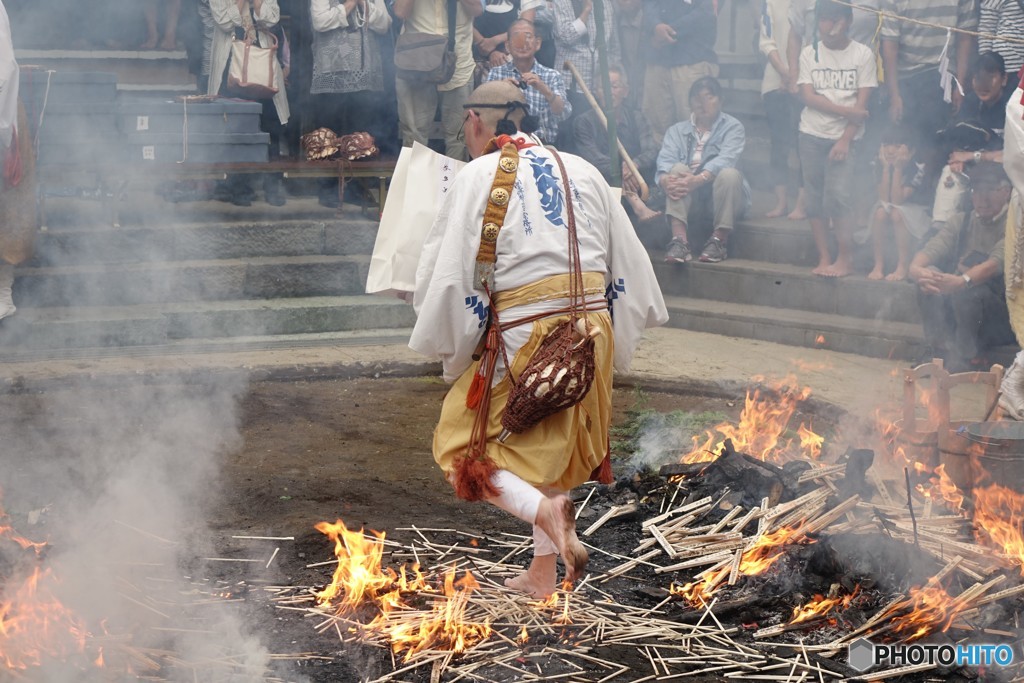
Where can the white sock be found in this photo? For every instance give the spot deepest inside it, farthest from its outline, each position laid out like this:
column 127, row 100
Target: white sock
column 6, row 283
column 515, row 496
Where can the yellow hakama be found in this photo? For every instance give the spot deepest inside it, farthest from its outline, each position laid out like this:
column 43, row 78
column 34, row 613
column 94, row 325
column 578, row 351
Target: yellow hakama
column 564, row 449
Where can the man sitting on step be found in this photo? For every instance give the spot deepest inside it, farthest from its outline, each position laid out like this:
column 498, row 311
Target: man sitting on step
column 959, row 274
column 697, row 170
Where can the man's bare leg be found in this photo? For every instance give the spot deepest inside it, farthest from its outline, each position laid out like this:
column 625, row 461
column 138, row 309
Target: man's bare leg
column 149, row 11
column 556, row 517
column 170, row 39
column 540, row 579
column 643, row 212
column 843, row 265
column 821, row 242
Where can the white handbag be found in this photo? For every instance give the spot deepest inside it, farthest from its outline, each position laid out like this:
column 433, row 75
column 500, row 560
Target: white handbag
column 252, row 73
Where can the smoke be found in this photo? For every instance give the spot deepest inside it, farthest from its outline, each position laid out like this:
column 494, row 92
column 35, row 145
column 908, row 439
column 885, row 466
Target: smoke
column 654, row 439
column 120, row 481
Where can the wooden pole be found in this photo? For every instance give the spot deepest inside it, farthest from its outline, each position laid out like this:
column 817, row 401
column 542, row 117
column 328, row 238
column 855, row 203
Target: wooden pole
column 615, row 143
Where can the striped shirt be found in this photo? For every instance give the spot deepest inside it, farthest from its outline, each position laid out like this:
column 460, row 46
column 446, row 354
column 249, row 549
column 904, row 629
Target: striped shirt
column 1002, row 18
column 921, row 46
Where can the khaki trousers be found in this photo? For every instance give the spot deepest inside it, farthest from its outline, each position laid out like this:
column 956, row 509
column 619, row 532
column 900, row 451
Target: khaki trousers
column 667, row 93
column 417, row 104
column 725, row 193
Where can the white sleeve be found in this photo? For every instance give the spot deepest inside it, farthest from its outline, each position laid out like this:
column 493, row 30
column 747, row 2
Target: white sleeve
column 325, row 18
column 450, row 314
column 634, row 295
column 378, row 21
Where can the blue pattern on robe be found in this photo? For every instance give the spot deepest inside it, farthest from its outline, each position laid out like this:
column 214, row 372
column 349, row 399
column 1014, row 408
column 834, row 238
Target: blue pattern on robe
column 551, row 198
column 476, row 306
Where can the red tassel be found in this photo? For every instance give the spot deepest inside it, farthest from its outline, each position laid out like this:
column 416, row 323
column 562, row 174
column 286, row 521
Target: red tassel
column 603, row 473
column 472, row 478
column 476, row 391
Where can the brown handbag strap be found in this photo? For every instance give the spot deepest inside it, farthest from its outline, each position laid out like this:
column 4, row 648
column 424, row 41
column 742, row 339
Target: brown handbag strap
column 577, row 292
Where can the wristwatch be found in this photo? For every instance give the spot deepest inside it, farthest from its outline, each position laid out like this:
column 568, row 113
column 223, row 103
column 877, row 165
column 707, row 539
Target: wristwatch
column 977, row 157
column 967, row 279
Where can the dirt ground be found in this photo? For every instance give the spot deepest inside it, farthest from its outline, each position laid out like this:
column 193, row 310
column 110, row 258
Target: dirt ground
column 359, row 451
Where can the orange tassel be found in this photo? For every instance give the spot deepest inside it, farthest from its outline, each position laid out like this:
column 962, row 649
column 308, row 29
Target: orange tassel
column 476, row 391
column 603, row 473
column 472, row 478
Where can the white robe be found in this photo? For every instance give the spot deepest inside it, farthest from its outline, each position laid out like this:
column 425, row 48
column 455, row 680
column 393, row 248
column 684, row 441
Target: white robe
column 227, row 18
column 8, row 81
column 532, row 245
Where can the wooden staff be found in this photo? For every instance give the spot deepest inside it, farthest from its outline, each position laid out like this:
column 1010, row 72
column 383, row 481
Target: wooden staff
column 644, row 190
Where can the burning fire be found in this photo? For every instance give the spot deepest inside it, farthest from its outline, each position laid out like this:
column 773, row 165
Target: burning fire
column 999, row 512
column 359, row 577
column 931, row 609
column 360, row 580
column 765, row 552
column 762, row 427
column 942, row 487
column 820, row 606
column 445, row 628
column 34, row 625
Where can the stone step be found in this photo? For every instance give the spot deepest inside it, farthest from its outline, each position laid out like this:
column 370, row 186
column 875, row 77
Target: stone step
column 137, row 71
column 184, row 281
column 773, row 240
column 783, row 286
column 182, row 242
column 200, row 322
column 877, row 338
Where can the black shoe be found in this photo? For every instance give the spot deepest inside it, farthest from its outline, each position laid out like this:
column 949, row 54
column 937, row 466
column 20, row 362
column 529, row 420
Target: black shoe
column 276, row 198
column 240, row 200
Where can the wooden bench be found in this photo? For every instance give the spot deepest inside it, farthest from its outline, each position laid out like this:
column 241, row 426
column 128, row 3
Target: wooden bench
column 114, row 180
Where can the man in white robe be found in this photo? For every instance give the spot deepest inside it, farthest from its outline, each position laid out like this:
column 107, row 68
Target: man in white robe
column 537, row 467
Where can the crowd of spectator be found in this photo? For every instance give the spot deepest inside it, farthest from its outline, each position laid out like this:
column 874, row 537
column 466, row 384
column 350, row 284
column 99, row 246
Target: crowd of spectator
column 883, row 119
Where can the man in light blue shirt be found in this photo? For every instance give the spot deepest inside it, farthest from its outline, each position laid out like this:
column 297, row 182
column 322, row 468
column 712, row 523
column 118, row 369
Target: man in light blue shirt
column 545, row 93
column 697, row 169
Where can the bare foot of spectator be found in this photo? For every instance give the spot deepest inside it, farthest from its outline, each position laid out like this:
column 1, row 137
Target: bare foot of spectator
column 150, row 43
column 876, row 273
column 797, row 214
column 169, row 43
column 898, row 275
column 777, row 212
column 822, row 267
column 838, row 269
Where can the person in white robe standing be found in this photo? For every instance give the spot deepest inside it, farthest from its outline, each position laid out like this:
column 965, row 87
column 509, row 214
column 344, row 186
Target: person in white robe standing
column 532, row 471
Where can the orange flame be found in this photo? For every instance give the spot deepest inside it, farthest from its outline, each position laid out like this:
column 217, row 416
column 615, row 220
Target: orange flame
column 361, row 580
column 819, row 340
column 762, row 427
column 931, row 609
column 756, row 560
column 35, row 625
column 444, row 628
column 820, row 606
column 999, row 513
column 359, row 577
column 941, row 487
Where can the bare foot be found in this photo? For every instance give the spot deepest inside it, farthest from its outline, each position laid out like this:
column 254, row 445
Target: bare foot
column 837, row 269
column 897, row 275
column 822, row 267
column 876, row 273
column 168, row 44
column 777, row 212
column 556, row 517
column 797, row 214
column 539, row 581
column 648, row 215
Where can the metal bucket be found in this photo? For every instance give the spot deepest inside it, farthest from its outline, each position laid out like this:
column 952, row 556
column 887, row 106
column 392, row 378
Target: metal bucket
column 955, row 448
column 921, row 443
column 998, row 453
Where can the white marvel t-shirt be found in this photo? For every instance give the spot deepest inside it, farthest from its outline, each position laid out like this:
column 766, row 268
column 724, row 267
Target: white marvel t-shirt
column 837, row 75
